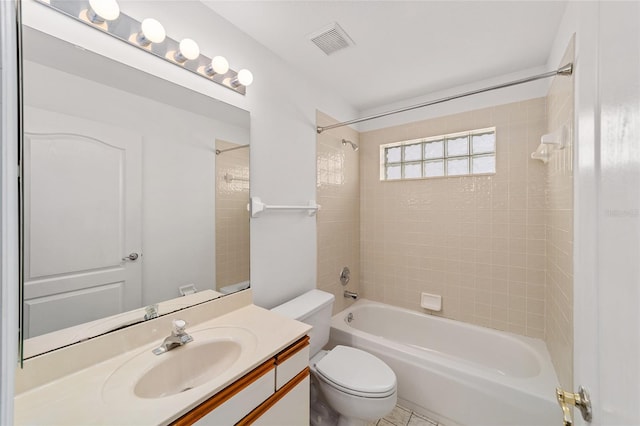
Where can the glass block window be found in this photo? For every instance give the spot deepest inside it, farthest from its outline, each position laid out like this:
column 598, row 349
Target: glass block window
column 458, row 154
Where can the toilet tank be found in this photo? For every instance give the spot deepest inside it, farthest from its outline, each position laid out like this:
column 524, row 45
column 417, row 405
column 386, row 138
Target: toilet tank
column 313, row 308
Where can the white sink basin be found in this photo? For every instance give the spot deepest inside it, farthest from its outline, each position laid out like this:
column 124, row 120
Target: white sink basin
column 189, row 367
column 207, row 359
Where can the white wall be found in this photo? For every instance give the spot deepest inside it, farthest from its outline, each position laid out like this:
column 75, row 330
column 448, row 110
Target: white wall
column 527, row 91
column 283, row 138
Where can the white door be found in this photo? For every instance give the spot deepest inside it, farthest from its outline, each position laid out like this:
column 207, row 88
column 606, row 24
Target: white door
column 607, row 287
column 82, row 214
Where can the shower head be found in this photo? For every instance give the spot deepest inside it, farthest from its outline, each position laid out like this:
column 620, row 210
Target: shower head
column 353, row 145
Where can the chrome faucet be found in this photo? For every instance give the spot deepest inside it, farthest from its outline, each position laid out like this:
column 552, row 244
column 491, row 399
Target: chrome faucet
column 351, row 294
column 178, row 337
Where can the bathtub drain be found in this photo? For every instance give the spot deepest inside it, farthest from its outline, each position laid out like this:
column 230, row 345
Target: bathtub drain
column 350, row 317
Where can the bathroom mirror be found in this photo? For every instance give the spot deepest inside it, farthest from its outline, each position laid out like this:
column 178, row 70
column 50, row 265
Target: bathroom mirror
column 128, row 213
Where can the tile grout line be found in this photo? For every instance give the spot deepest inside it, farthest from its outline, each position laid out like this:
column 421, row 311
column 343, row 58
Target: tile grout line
column 390, row 419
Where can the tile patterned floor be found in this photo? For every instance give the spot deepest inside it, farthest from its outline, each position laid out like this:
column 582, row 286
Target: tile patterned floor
column 401, row 416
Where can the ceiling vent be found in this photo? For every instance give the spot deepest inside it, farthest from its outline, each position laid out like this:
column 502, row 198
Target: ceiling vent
column 331, row 39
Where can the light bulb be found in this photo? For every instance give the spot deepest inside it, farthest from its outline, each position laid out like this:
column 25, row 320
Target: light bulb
column 244, row 78
column 189, row 51
column 218, row 65
column 151, row 31
column 101, row 10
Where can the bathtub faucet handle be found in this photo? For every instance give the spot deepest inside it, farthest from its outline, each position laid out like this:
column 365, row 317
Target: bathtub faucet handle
column 345, row 276
column 580, row 400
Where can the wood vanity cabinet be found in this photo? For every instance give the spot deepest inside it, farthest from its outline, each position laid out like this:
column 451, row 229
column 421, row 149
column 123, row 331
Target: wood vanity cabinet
column 276, row 393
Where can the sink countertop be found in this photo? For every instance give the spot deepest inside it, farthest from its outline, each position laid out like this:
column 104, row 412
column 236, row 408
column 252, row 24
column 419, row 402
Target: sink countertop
column 77, row 398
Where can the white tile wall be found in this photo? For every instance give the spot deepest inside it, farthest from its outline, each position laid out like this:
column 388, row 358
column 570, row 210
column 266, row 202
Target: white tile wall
column 477, row 241
column 232, row 217
column 559, row 231
column 338, row 192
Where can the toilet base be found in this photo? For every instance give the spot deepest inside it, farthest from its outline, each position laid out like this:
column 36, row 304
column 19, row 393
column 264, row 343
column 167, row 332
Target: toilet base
column 321, row 413
column 347, row 421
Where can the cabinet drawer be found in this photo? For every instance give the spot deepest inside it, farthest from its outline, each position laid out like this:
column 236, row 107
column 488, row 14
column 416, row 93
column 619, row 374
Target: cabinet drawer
column 287, row 407
column 292, row 361
column 234, row 402
column 291, row 410
column 242, row 403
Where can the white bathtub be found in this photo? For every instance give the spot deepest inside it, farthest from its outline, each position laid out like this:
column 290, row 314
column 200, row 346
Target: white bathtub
column 456, row 372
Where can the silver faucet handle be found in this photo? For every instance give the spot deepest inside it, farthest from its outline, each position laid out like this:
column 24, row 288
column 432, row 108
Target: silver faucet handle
column 151, row 312
column 179, row 326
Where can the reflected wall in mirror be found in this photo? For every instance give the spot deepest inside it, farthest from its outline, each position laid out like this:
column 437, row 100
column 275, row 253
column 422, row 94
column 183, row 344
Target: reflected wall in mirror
column 119, row 194
column 232, row 216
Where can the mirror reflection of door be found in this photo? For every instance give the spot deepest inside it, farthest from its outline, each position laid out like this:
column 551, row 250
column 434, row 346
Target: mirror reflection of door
column 232, row 216
column 82, row 198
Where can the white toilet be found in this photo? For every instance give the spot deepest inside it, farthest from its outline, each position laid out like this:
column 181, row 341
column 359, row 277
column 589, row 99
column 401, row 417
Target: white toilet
column 356, row 384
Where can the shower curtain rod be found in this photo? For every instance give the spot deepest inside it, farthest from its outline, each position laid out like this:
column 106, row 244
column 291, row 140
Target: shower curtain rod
column 564, row 70
column 220, row 151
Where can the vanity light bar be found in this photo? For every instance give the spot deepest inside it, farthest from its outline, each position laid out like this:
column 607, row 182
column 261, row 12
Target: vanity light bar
column 150, row 36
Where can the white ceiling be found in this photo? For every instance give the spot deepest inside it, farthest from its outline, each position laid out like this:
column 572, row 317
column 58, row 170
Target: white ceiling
column 403, row 49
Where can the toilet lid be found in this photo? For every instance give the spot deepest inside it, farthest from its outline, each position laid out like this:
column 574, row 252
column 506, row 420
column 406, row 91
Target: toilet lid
column 358, row 372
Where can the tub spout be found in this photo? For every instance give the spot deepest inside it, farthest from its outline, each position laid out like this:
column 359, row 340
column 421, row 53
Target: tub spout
column 351, row 294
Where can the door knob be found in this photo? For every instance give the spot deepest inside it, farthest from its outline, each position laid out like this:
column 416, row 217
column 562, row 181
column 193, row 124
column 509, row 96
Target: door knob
column 579, row 400
column 131, row 257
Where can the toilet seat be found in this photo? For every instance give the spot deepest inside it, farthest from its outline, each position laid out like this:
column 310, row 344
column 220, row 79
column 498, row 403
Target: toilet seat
column 356, row 372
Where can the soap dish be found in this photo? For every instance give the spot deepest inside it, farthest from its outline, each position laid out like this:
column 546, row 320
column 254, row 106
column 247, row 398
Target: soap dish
column 432, row 302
